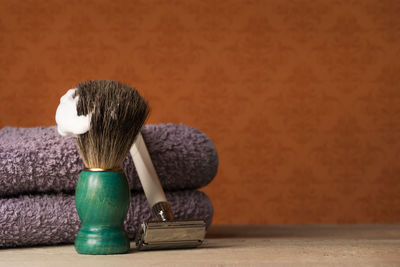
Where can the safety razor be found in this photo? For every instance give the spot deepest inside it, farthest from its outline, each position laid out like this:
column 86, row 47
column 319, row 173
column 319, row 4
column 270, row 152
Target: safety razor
column 163, row 232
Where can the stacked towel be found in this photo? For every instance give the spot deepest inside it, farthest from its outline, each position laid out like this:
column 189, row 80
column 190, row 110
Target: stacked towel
column 39, row 170
column 52, row 218
column 34, row 160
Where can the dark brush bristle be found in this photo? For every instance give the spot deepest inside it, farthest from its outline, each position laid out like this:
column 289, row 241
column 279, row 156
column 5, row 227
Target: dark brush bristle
column 117, row 114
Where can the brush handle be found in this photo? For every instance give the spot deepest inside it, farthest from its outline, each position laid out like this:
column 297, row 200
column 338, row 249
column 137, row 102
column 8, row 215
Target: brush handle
column 147, row 173
column 102, row 202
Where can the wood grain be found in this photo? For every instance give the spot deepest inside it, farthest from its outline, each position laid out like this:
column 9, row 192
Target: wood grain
column 102, row 201
column 276, row 245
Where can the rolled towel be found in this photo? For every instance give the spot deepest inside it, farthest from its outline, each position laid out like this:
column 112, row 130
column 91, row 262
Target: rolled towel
column 38, row 159
column 52, row 219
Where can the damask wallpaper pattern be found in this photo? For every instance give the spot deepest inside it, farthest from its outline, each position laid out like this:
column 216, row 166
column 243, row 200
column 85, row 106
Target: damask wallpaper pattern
column 302, row 98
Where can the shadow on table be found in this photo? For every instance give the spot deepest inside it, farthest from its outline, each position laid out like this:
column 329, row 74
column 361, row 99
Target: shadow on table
column 305, row 231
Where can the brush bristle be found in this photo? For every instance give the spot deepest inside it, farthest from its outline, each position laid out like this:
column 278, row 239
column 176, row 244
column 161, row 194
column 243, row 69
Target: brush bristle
column 117, row 114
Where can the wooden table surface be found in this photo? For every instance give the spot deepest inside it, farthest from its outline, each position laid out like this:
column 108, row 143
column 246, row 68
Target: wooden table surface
column 285, row 245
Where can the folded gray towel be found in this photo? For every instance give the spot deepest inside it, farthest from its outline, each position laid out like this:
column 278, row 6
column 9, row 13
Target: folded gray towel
column 38, row 159
column 31, row 220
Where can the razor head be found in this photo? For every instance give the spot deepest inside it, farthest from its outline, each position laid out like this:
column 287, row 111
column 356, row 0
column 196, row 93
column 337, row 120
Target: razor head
column 170, row 235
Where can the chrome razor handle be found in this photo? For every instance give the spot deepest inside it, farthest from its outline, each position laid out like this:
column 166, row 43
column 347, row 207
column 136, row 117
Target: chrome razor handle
column 162, row 212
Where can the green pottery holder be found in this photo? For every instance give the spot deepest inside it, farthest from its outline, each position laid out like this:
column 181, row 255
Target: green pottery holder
column 102, row 201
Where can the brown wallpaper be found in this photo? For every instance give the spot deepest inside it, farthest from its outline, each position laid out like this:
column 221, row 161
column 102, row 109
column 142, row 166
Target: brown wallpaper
column 302, row 98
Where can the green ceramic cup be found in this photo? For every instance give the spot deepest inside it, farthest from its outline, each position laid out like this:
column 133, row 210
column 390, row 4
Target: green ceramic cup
column 102, row 201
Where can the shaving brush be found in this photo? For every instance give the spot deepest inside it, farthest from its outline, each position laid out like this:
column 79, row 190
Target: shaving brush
column 116, row 113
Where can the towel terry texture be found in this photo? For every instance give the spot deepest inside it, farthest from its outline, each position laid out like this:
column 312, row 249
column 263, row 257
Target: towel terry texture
column 52, row 219
column 39, row 160
column 39, row 170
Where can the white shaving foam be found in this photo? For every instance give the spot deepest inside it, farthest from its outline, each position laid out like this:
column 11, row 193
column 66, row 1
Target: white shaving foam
column 68, row 121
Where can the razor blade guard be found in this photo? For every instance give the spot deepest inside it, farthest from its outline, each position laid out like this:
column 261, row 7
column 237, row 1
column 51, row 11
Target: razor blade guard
column 170, row 235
